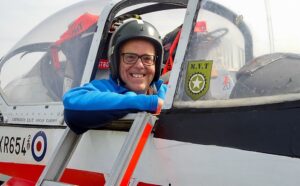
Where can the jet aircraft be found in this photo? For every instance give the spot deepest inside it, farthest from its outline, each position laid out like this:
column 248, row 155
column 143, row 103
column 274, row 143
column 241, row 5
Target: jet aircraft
column 231, row 114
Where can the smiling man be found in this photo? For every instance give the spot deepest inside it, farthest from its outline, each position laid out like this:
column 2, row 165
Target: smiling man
column 137, row 66
column 135, row 57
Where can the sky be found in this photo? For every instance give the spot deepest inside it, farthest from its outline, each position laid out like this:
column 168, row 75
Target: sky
column 18, row 17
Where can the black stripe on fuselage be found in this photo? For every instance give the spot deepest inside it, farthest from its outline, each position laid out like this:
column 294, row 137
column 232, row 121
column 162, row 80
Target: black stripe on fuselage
column 273, row 129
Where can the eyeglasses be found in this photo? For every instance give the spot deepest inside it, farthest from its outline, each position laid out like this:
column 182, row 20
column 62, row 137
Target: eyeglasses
column 132, row 58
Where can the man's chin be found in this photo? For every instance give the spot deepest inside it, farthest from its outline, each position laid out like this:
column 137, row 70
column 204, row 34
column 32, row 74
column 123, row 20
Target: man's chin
column 139, row 90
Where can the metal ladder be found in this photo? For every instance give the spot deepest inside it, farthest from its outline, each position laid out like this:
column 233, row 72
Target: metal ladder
column 124, row 165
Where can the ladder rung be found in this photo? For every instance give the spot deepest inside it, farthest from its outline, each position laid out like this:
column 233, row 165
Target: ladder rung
column 122, row 170
column 139, row 132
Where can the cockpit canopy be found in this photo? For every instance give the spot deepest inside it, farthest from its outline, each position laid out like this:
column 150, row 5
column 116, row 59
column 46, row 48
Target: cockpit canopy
column 231, row 53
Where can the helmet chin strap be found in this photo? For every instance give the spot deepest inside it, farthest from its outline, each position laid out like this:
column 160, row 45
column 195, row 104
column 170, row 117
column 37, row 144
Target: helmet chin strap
column 152, row 90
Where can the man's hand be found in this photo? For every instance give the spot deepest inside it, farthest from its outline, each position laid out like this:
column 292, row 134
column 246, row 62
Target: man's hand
column 159, row 106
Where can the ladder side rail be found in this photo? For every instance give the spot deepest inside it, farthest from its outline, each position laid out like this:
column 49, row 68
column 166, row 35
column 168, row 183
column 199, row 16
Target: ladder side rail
column 60, row 157
column 124, row 157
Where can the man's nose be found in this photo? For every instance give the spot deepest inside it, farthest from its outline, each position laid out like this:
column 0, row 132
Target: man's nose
column 139, row 63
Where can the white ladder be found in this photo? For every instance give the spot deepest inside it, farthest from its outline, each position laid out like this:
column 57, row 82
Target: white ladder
column 124, row 165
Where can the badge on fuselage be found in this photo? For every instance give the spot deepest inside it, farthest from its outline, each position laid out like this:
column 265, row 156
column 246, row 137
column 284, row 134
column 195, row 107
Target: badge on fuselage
column 198, row 78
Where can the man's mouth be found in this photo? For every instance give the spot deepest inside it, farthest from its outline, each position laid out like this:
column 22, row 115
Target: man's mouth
column 137, row 75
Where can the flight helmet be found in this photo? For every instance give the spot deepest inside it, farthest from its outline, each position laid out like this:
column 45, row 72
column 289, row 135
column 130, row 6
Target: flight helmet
column 134, row 29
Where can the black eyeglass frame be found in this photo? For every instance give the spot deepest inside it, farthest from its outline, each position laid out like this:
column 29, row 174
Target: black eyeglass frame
column 139, row 57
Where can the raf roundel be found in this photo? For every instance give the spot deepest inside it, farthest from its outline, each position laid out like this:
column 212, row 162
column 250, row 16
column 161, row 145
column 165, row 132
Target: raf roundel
column 39, row 146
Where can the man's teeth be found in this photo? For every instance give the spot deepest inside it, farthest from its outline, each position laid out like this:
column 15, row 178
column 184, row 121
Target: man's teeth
column 137, row 75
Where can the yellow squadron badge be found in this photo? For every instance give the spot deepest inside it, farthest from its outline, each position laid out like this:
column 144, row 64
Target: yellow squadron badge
column 198, row 78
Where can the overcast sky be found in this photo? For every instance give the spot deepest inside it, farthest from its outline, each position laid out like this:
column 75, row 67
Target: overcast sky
column 17, row 17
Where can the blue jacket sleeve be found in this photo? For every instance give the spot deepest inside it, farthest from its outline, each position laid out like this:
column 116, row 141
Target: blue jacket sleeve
column 89, row 97
column 101, row 101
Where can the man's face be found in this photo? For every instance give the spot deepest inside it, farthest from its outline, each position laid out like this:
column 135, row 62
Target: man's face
column 137, row 76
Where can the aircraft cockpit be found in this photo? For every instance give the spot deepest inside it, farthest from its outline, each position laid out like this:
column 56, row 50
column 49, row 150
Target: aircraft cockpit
column 226, row 55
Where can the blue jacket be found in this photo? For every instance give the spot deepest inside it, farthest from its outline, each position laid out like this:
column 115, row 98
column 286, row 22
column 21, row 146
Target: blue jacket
column 101, row 101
